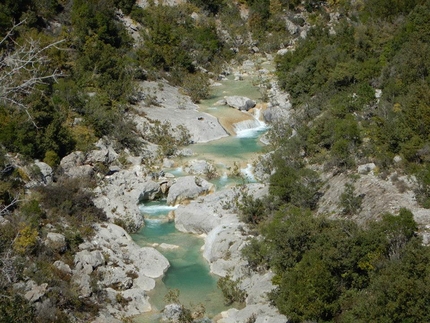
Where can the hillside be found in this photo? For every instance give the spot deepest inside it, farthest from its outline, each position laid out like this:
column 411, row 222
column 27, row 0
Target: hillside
column 97, row 97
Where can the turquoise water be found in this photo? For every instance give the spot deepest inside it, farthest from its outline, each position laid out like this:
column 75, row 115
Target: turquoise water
column 188, row 272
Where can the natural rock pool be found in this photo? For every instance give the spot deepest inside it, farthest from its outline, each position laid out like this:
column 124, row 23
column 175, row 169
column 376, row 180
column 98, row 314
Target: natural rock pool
column 189, row 271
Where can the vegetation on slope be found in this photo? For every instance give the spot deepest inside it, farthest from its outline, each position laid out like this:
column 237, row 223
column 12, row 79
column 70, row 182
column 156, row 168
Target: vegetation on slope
column 334, row 270
column 81, row 90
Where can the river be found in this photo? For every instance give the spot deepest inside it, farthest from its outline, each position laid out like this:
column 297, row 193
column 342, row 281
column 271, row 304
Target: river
column 189, row 271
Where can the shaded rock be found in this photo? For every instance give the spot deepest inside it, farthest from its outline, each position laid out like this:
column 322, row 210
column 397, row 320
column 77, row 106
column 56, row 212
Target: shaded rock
column 150, row 190
column 56, row 242
column 188, row 188
column 45, row 172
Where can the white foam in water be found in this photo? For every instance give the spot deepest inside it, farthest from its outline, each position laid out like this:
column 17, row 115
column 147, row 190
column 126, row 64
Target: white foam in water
column 247, row 172
column 177, row 171
column 154, row 209
column 250, row 128
column 152, row 223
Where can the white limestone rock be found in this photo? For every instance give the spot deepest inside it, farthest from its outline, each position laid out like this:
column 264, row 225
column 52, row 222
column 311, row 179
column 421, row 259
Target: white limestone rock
column 65, row 268
column 222, row 250
column 199, row 167
column 188, row 188
column 366, row 168
column 137, row 302
column 115, row 277
column 150, row 190
column 240, row 102
column 206, row 213
column 178, row 109
column 92, row 258
column 120, row 194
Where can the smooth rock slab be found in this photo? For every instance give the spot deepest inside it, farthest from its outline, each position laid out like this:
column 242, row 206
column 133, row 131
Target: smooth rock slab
column 188, row 188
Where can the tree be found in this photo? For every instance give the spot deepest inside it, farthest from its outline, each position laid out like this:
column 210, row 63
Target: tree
column 22, row 68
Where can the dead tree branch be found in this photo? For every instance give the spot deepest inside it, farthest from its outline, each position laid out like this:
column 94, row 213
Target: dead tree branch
column 22, row 68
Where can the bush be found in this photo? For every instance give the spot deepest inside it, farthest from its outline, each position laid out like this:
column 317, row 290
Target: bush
column 231, row 290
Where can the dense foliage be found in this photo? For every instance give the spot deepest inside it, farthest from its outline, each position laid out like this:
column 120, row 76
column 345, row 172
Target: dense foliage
column 359, row 84
column 367, row 82
column 333, row 270
column 360, row 93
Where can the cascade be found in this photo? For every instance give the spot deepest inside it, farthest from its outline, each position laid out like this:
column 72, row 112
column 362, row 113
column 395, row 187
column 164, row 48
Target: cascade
column 189, row 271
column 252, row 127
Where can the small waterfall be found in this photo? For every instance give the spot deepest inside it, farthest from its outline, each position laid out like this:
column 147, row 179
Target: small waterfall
column 250, row 128
column 156, row 214
column 156, row 209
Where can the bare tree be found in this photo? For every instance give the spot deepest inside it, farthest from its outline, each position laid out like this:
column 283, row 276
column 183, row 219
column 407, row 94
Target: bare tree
column 21, row 69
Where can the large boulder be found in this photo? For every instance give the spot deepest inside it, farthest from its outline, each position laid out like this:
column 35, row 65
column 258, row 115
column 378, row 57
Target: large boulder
column 150, row 190
column 222, row 250
column 206, row 213
column 84, row 258
column 76, row 158
column 188, row 188
column 240, row 102
column 121, row 193
column 125, row 274
column 199, row 167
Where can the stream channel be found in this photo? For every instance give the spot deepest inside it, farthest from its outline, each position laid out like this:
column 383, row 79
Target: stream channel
column 189, row 272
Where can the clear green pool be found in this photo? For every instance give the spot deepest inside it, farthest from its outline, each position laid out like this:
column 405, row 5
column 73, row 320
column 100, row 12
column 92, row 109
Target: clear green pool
column 189, row 272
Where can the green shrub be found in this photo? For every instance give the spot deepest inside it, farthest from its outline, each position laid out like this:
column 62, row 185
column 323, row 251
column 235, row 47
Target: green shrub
column 231, row 290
